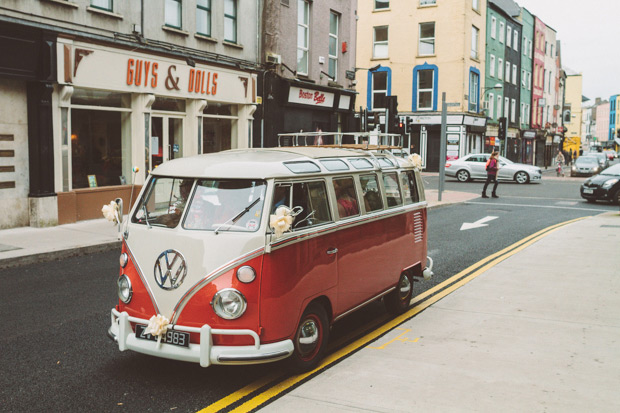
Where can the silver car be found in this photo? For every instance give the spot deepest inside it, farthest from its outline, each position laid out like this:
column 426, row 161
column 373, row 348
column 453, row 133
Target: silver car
column 473, row 166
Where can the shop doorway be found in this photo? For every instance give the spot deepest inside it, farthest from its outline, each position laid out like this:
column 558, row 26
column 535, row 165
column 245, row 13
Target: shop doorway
column 166, row 139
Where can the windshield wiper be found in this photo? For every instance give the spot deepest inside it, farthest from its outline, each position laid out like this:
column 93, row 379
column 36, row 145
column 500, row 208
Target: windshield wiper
column 238, row 216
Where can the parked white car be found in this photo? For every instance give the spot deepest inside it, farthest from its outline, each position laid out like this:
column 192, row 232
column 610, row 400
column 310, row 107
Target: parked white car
column 473, row 166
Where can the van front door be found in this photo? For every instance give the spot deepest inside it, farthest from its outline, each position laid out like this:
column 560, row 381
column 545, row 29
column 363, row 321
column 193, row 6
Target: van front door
column 166, row 139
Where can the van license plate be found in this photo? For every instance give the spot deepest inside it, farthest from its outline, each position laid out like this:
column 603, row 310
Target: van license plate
column 177, row 338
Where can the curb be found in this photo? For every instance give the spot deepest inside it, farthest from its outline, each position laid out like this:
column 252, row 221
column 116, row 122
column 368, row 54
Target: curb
column 58, row 254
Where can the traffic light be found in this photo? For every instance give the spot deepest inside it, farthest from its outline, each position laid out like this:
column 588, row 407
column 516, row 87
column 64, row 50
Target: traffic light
column 391, row 115
column 371, row 121
column 503, row 124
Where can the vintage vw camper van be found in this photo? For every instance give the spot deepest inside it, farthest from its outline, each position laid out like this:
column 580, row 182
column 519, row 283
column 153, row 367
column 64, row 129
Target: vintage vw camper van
column 249, row 256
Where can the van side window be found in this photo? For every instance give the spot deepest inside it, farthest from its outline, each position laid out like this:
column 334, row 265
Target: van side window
column 373, row 201
column 407, row 180
column 310, row 196
column 392, row 192
column 346, row 197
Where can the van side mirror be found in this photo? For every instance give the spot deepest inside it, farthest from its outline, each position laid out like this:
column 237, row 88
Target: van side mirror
column 119, row 202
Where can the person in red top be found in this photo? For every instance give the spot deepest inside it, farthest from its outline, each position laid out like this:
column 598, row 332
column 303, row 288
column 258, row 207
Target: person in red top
column 492, row 167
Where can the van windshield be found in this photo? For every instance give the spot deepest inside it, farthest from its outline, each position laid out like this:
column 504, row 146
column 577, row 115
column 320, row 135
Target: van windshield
column 226, row 205
column 223, row 205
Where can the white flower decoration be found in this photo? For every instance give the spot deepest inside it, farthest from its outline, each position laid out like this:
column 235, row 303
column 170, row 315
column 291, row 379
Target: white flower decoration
column 158, row 325
column 110, row 212
column 416, row 160
column 281, row 221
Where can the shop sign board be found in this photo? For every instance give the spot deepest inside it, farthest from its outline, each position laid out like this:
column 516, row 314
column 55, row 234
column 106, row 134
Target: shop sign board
column 94, row 66
column 310, row 97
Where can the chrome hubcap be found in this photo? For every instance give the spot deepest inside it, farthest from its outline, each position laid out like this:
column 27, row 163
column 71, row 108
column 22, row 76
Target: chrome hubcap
column 308, row 337
column 404, row 288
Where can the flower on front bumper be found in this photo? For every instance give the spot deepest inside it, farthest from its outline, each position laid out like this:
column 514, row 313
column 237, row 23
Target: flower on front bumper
column 158, row 325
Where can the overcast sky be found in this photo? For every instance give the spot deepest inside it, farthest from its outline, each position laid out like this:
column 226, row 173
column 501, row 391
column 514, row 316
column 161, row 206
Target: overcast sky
column 589, row 32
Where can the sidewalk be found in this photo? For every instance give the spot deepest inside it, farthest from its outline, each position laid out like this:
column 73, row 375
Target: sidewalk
column 537, row 332
column 26, row 245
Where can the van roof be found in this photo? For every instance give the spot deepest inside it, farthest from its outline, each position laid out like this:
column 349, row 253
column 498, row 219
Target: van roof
column 256, row 163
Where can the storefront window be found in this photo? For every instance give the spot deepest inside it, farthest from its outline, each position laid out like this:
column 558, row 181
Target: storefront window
column 100, row 141
column 99, row 148
column 219, row 126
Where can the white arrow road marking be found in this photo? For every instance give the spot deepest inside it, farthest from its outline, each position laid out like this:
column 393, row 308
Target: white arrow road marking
column 478, row 224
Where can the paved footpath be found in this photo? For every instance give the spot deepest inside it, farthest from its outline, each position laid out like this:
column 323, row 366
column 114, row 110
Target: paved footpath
column 538, row 332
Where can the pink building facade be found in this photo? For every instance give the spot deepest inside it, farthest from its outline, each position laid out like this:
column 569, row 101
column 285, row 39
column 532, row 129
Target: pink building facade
column 602, row 122
column 538, row 73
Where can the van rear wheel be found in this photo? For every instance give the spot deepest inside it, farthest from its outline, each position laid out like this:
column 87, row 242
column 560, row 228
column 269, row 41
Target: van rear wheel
column 310, row 339
column 397, row 301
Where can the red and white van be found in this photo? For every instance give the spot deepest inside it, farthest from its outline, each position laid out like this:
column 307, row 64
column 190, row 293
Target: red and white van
column 249, row 256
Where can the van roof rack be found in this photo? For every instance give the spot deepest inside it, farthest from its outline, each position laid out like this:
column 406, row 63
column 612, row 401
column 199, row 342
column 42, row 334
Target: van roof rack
column 368, row 141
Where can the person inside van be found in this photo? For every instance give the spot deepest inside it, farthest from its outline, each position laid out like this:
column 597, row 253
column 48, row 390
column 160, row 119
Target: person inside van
column 347, row 204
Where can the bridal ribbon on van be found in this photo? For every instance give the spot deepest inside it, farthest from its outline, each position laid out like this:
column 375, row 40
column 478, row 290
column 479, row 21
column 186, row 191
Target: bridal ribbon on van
column 282, row 220
column 416, row 160
column 158, row 325
column 110, row 212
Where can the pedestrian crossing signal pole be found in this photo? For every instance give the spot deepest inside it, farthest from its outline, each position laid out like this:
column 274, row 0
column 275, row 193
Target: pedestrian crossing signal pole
column 442, row 145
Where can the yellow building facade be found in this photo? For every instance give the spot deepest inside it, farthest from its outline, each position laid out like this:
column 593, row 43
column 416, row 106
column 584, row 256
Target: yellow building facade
column 572, row 99
column 425, row 48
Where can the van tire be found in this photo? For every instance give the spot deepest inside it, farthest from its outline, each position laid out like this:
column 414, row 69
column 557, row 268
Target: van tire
column 314, row 327
column 397, row 301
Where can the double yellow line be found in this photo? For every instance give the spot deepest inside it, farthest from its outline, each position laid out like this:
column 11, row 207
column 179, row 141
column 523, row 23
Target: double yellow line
column 270, row 386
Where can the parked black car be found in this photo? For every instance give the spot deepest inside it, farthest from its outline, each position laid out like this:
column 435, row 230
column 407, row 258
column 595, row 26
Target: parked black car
column 604, row 187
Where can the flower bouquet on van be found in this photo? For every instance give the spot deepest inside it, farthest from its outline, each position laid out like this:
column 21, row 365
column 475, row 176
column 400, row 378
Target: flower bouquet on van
column 416, row 160
column 110, row 212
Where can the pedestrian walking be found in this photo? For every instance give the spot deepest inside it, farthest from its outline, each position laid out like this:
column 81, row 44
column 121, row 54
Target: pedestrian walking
column 492, row 167
column 569, row 158
column 559, row 159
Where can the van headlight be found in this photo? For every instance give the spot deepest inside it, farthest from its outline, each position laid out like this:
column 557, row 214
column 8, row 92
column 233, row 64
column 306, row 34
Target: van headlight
column 123, row 259
column 124, row 289
column 229, row 304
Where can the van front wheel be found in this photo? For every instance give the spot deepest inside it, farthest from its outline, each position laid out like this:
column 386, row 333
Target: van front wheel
column 310, row 339
column 397, row 301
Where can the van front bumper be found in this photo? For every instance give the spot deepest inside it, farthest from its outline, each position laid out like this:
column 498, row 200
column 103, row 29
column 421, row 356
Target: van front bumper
column 204, row 353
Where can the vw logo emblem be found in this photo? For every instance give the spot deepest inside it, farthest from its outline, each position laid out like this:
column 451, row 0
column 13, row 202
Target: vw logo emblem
column 170, row 269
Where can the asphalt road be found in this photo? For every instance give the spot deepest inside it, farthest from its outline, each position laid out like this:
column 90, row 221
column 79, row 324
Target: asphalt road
column 56, row 355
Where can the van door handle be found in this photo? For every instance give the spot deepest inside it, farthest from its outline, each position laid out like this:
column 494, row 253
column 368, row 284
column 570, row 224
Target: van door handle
column 332, row 251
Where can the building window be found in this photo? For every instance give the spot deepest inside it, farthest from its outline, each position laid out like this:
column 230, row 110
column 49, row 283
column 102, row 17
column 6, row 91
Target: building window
column 474, row 90
column 507, row 72
column 499, row 106
column 100, row 143
column 529, row 43
column 230, row 21
column 379, row 89
column 426, row 45
column 501, row 32
column 303, row 34
column 529, row 80
column 203, row 17
column 425, row 90
column 102, row 4
column 522, row 112
column 474, row 42
column 492, row 65
column 333, row 45
column 382, row 4
column 506, row 107
column 508, row 36
column 523, row 79
column 500, row 68
column 515, row 41
column 380, row 43
column 475, row 4
column 173, row 13
column 491, row 101
column 493, row 26
column 427, row 2
column 514, row 74
column 524, row 45
column 513, row 110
